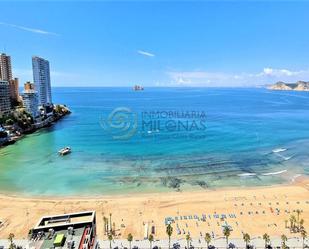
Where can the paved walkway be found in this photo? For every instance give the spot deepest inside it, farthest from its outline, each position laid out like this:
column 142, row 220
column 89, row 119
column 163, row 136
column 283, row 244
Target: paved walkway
column 218, row 243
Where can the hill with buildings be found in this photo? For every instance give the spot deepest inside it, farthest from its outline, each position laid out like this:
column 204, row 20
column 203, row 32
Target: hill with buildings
column 33, row 108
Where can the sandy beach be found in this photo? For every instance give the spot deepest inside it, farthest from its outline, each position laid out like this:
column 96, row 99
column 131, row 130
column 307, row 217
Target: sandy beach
column 265, row 207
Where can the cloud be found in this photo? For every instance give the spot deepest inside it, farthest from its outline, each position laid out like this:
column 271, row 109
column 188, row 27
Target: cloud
column 279, row 72
column 32, row 30
column 145, row 53
column 205, row 78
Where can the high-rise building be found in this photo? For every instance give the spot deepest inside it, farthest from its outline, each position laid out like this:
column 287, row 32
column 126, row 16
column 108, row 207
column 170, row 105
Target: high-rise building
column 41, row 78
column 28, row 86
column 6, row 75
column 14, row 92
column 5, row 67
column 5, row 104
column 30, row 99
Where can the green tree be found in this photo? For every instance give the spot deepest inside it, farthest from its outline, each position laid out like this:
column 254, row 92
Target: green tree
column 266, row 238
column 303, row 234
column 169, row 232
column 130, row 239
column 207, row 239
column 11, row 237
column 284, row 239
column 227, row 233
column 9, row 121
column 150, row 239
column 188, row 239
column 110, row 238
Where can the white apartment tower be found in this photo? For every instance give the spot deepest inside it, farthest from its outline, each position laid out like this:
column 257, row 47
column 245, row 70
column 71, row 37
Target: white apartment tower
column 41, row 78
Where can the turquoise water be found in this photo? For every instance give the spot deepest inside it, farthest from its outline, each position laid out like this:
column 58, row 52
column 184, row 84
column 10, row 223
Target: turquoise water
column 243, row 127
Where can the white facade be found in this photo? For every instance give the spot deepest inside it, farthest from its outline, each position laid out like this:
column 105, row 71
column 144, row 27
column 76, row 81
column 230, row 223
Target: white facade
column 5, row 103
column 41, row 78
column 31, row 102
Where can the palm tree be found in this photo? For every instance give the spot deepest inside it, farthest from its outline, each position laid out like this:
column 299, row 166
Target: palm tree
column 188, row 239
column 286, row 223
column 292, row 223
column 246, row 238
column 227, row 233
column 130, row 238
column 169, row 232
column 150, row 238
column 110, row 238
column 298, row 213
column 284, row 239
column 110, row 223
column 301, row 224
column 207, row 239
column 303, row 234
column 11, row 237
column 105, row 220
column 266, row 239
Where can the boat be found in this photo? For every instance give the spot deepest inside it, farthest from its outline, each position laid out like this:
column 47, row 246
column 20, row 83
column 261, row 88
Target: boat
column 138, row 88
column 64, row 151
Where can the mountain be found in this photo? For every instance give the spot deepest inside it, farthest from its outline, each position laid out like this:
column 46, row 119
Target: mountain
column 298, row 86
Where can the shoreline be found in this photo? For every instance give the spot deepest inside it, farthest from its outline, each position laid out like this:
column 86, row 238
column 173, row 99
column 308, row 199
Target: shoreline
column 298, row 179
column 131, row 212
column 56, row 117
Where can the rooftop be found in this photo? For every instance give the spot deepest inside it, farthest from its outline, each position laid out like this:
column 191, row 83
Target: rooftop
column 69, row 231
column 65, row 220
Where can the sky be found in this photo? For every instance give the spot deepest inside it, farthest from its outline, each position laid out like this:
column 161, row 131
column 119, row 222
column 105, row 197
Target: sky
column 166, row 43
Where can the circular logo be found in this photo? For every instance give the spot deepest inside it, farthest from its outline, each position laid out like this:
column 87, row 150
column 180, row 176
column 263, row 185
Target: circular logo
column 121, row 123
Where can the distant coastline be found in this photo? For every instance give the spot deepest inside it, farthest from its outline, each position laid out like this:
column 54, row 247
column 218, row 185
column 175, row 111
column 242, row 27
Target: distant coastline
column 298, row 86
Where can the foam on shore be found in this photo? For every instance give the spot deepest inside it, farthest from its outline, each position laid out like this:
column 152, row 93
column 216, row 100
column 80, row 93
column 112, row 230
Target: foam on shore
column 275, row 173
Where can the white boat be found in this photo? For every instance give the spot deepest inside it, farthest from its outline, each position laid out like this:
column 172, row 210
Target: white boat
column 65, row 151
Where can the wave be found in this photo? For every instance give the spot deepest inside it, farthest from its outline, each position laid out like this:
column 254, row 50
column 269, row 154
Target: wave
column 285, row 158
column 279, row 150
column 295, row 177
column 247, row 174
column 275, row 173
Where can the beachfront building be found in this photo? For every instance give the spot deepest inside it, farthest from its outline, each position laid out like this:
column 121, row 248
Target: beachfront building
column 5, row 104
column 30, row 99
column 5, row 67
column 6, row 75
column 75, row 230
column 41, row 78
column 14, row 92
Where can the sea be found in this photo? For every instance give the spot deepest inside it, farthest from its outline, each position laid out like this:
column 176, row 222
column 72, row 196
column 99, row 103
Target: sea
column 162, row 140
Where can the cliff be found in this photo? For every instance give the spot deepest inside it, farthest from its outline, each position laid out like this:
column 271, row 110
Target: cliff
column 298, row 86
